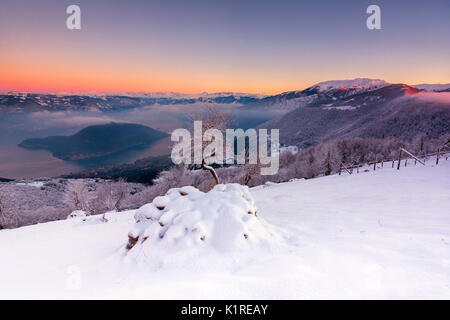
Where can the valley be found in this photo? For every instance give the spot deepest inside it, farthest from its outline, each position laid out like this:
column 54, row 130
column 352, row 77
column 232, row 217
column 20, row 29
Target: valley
column 327, row 110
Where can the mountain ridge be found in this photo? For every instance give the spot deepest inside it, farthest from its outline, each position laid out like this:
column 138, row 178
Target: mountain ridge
column 289, row 100
column 395, row 110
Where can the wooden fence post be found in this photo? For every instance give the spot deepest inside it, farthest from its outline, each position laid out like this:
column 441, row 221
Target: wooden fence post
column 393, row 164
column 340, row 168
column 399, row 159
column 406, row 162
column 375, row 162
column 437, row 156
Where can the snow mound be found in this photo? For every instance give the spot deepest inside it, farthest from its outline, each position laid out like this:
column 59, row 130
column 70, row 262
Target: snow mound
column 187, row 222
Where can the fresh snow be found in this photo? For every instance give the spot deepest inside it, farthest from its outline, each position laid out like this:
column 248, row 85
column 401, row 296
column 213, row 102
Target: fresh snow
column 37, row 184
column 77, row 214
column 382, row 234
column 189, row 227
column 342, row 108
column 291, row 149
column 361, row 84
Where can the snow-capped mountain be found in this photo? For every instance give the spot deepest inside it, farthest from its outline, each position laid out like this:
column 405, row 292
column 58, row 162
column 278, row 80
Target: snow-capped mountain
column 357, row 85
column 284, row 102
column 393, row 110
column 335, row 89
column 173, row 95
column 29, row 102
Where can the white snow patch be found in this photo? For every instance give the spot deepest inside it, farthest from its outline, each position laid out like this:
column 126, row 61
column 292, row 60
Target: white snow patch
column 382, row 235
column 291, row 149
column 77, row 214
column 37, row 184
column 342, row 108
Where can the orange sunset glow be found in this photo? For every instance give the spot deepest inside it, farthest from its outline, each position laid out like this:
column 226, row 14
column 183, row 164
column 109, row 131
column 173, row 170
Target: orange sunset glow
column 124, row 50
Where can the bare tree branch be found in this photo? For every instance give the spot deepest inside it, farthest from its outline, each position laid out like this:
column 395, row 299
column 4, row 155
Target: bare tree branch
column 213, row 118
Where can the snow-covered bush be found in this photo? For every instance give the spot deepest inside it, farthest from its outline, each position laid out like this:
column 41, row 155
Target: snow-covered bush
column 7, row 217
column 187, row 222
column 111, row 194
column 77, row 214
column 77, row 195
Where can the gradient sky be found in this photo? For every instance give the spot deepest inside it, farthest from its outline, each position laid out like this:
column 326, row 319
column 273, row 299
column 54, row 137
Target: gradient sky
column 194, row 46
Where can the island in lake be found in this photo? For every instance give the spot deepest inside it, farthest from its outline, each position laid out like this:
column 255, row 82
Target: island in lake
column 97, row 141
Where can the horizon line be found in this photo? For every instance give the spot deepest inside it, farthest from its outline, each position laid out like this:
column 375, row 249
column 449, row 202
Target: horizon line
column 169, row 92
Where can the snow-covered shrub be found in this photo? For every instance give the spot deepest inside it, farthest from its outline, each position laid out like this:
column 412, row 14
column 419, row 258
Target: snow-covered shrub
column 139, row 199
column 77, row 195
column 187, row 222
column 42, row 215
column 7, row 217
column 77, row 214
column 111, row 194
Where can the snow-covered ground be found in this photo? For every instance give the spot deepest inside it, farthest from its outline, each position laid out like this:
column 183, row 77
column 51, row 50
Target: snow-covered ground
column 383, row 234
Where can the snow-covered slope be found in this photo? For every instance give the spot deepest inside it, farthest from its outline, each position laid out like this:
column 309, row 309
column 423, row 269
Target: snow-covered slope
column 383, row 234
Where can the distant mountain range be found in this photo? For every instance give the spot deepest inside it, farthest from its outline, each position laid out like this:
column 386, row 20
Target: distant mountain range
column 433, row 87
column 361, row 110
column 332, row 109
column 31, row 102
column 16, row 102
column 96, row 141
column 324, row 91
column 327, row 110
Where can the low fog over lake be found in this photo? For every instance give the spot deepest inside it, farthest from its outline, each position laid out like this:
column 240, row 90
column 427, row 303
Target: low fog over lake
column 20, row 163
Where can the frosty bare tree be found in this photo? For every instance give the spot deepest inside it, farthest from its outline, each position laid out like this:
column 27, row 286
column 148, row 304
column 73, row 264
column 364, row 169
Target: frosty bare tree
column 2, row 212
column 77, row 195
column 175, row 177
column 250, row 170
column 145, row 196
column 110, row 197
column 211, row 119
column 7, row 217
column 111, row 194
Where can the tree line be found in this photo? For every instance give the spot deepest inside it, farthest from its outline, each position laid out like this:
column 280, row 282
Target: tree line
column 103, row 196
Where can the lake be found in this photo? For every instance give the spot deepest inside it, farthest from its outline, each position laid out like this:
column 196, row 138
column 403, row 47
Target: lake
column 19, row 163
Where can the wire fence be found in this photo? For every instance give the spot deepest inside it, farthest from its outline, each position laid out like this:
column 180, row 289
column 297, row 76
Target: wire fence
column 403, row 159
